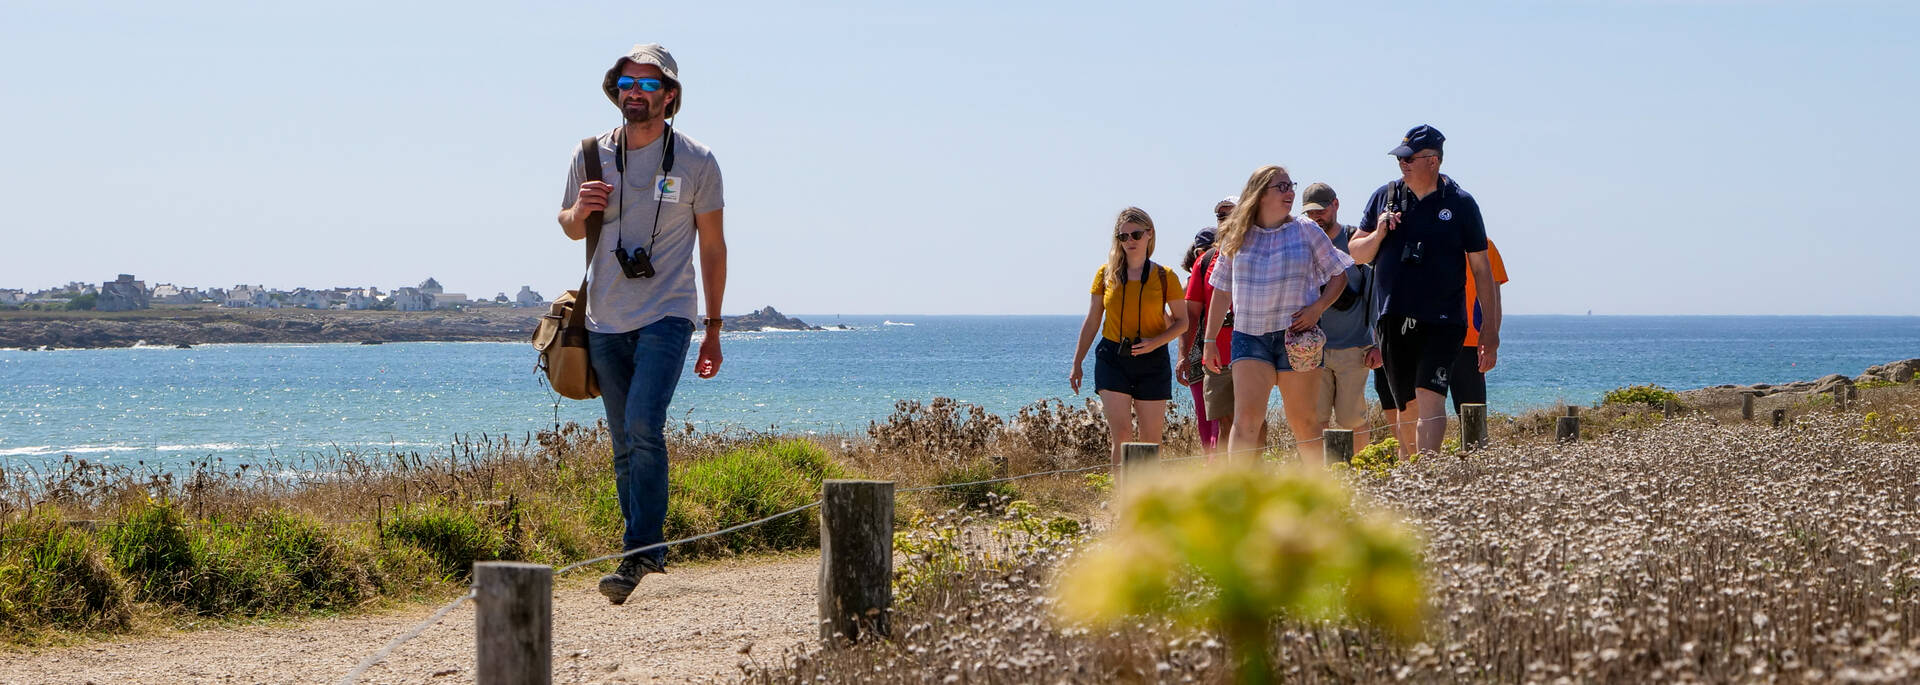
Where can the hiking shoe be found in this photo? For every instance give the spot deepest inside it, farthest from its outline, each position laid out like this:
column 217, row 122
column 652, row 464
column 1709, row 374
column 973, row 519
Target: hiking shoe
column 617, row 585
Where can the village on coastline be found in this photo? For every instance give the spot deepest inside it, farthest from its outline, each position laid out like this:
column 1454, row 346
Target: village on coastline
column 127, row 293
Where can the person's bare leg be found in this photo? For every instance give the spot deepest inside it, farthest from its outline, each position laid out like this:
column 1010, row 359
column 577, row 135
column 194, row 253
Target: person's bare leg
column 1403, row 432
column 1252, row 384
column 1153, row 420
column 1299, row 392
column 1432, row 429
column 1118, row 408
column 1225, row 437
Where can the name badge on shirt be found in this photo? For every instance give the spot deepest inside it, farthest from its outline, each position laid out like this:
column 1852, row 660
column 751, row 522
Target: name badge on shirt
column 667, row 188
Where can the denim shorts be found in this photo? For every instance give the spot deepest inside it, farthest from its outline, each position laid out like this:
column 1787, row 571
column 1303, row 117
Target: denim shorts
column 1267, row 348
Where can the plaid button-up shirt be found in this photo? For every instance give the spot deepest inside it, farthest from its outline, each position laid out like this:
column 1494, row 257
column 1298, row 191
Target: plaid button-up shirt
column 1277, row 272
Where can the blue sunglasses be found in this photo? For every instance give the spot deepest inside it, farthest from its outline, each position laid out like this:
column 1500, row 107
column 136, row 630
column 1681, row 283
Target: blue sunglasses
column 646, row 85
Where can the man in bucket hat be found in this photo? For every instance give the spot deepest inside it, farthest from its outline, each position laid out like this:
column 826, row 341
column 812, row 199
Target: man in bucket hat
column 660, row 198
column 1423, row 234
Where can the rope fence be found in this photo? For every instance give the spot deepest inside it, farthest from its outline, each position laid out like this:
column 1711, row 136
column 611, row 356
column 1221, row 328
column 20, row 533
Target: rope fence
column 873, row 536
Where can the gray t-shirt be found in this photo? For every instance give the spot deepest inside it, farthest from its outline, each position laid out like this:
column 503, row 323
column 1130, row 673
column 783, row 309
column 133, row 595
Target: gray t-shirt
column 1353, row 327
column 615, row 303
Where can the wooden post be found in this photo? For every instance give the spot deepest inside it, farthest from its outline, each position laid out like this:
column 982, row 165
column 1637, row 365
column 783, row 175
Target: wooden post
column 1337, row 445
column 1746, row 406
column 1839, row 398
column 1137, row 457
column 513, row 623
column 1473, row 426
column 1779, row 418
column 1566, row 429
column 856, row 559
column 1573, row 410
column 1669, row 408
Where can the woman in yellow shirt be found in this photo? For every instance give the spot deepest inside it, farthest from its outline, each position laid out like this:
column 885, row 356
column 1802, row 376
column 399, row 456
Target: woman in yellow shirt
column 1138, row 307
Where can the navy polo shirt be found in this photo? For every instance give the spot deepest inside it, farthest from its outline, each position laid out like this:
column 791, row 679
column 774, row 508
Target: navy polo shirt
column 1446, row 226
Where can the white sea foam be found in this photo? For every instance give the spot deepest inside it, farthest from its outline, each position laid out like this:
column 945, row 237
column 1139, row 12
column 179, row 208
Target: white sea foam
column 895, row 323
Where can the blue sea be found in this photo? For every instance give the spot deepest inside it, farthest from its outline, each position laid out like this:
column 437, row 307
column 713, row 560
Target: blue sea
column 253, row 402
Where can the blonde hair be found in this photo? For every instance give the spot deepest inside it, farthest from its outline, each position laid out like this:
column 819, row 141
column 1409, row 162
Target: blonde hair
column 1117, row 256
column 1234, row 231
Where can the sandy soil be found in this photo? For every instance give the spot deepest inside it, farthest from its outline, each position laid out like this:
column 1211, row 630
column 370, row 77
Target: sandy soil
column 686, row 626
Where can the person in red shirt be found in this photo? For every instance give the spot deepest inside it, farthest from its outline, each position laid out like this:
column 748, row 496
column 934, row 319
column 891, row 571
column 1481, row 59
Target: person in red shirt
column 1213, row 394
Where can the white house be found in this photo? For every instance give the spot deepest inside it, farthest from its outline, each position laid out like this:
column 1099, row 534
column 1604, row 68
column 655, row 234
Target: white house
column 528, row 298
column 250, row 296
column 411, row 300
column 310, row 299
column 432, row 287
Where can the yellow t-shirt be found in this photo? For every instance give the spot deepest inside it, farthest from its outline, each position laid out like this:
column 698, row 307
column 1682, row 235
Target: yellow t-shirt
column 1135, row 309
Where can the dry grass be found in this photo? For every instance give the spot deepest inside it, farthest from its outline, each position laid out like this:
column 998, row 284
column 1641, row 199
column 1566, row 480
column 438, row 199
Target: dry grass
column 1684, row 550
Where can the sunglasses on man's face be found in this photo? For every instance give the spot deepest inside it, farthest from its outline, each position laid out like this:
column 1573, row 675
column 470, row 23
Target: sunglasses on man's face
column 1411, row 158
column 1125, row 236
column 646, row 85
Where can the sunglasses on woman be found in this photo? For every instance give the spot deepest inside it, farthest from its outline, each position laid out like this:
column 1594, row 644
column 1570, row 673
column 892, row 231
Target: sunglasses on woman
column 1125, row 236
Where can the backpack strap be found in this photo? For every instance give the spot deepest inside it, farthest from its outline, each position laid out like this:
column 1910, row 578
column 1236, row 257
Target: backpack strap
column 589, row 170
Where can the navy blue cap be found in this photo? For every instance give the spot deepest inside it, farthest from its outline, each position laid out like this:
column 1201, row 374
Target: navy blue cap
column 1422, row 137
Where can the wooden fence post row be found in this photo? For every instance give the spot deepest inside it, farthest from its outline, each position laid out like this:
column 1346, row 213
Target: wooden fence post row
column 1566, row 429
column 513, row 623
column 856, row 560
column 1136, row 457
column 1337, row 445
column 1473, row 426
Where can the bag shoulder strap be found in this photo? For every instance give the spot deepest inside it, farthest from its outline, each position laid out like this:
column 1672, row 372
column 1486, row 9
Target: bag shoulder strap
column 590, row 170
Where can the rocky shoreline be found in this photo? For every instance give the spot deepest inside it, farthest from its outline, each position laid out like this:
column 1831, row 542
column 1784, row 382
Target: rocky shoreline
column 184, row 326
column 1890, row 372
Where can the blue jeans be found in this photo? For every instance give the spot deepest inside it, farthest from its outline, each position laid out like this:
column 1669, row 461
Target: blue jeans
column 638, row 371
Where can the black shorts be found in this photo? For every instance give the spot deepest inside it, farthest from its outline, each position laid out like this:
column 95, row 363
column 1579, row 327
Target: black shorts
column 1147, row 377
column 1382, row 390
column 1469, row 385
column 1420, row 356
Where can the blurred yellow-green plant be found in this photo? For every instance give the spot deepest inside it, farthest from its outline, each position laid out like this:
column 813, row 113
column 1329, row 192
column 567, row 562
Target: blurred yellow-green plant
column 1236, row 548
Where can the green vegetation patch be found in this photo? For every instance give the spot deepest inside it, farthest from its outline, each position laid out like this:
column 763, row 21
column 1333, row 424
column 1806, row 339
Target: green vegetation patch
column 747, row 484
column 54, row 576
column 1650, row 395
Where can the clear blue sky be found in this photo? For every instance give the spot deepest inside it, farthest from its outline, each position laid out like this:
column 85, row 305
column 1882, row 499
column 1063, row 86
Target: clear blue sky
column 1631, row 157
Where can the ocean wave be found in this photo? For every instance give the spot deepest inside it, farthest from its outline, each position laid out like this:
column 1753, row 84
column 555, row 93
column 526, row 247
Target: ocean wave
column 895, row 323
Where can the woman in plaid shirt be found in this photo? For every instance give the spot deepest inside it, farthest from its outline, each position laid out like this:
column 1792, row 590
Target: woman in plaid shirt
column 1278, row 273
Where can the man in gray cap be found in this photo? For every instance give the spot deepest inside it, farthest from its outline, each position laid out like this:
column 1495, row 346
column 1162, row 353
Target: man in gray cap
column 1348, row 325
column 660, row 198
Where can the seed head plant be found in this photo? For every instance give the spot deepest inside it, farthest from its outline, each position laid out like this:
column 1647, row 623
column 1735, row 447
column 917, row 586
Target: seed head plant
column 1233, row 549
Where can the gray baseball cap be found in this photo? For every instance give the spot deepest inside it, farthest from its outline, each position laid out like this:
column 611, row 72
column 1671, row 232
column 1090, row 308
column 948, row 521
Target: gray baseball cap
column 646, row 53
column 1317, row 196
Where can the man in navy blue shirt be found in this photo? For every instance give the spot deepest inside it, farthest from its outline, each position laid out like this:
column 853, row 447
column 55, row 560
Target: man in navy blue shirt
column 1421, row 233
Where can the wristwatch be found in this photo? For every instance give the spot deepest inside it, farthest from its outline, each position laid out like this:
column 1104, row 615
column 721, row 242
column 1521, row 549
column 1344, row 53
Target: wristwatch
column 713, row 322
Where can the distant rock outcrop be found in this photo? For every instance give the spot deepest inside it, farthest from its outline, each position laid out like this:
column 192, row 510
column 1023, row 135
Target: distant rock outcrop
column 764, row 319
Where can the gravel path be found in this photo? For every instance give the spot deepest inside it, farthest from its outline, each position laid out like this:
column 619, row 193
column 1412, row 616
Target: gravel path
column 686, row 626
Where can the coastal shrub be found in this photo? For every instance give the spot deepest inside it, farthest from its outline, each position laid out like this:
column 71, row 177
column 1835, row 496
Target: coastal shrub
column 941, row 428
column 55, row 576
column 83, row 302
column 973, row 496
column 1061, row 436
column 1379, row 457
column 453, row 537
column 1650, row 395
column 746, row 484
